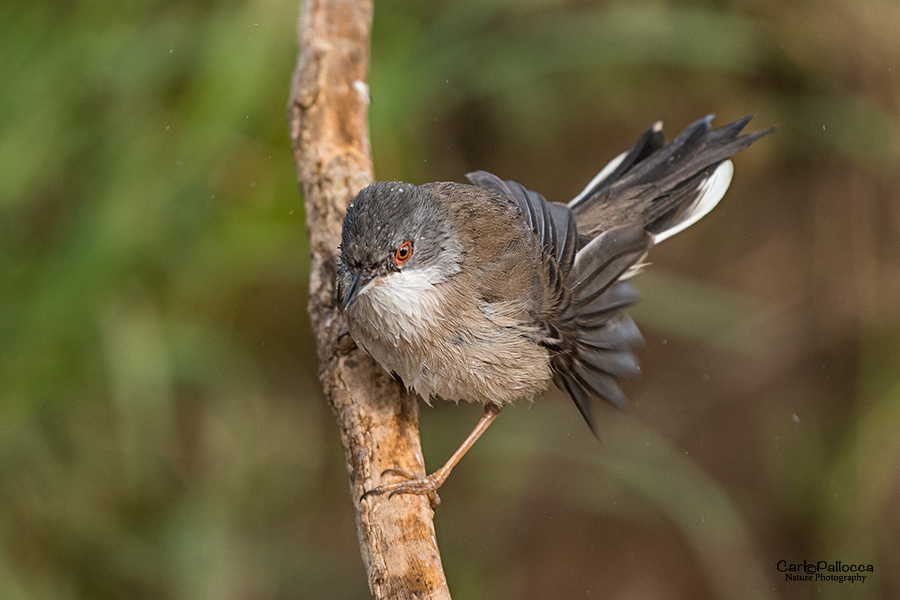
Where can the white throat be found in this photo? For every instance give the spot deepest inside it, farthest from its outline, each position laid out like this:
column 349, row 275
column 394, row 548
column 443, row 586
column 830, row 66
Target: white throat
column 400, row 304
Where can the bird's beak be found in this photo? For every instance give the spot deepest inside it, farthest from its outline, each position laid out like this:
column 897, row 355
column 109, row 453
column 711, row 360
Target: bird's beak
column 357, row 285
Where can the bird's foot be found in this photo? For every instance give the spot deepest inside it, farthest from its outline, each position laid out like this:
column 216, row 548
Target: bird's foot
column 345, row 344
column 412, row 484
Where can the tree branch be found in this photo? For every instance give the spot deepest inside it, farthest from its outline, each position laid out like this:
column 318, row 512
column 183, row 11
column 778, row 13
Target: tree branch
column 378, row 420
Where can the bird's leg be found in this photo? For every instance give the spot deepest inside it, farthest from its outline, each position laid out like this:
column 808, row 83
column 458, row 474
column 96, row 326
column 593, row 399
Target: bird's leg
column 417, row 484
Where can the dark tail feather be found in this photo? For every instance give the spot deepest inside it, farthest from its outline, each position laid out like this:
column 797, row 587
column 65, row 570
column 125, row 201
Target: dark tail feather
column 603, row 261
column 663, row 187
column 649, row 142
column 597, row 338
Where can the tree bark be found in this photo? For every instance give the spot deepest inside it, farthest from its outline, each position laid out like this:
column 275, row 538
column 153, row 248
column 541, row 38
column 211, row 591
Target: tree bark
column 378, row 419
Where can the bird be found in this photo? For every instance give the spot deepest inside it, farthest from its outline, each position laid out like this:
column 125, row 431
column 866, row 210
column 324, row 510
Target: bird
column 487, row 292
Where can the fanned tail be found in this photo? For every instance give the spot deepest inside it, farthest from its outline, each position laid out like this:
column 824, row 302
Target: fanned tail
column 664, row 188
column 642, row 197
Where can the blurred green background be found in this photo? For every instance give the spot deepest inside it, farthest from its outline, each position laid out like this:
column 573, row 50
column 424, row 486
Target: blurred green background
column 162, row 431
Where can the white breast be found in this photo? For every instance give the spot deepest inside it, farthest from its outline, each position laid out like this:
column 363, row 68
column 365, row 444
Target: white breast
column 401, row 320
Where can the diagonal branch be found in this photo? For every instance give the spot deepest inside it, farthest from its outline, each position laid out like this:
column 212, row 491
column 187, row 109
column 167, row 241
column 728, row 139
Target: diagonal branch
column 378, row 420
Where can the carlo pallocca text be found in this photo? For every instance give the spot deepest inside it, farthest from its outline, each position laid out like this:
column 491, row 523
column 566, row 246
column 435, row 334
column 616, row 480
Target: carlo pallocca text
column 839, row 572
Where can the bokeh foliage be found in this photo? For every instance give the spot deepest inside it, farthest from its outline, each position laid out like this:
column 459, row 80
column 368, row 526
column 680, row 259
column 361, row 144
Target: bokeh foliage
column 162, row 433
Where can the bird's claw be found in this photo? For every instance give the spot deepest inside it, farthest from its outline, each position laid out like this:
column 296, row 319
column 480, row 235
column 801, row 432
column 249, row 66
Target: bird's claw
column 413, row 484
column 401, row 472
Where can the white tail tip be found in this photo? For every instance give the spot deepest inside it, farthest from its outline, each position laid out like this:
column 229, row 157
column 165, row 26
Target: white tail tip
column 709, row 193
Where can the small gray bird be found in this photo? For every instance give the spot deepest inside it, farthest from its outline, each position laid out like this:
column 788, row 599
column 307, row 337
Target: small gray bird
column 488, row 292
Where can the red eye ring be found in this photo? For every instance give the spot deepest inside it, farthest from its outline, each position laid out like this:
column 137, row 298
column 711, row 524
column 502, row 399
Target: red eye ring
column 402, row 254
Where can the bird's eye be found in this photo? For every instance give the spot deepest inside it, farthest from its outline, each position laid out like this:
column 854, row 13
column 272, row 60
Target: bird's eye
column 402, row 254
